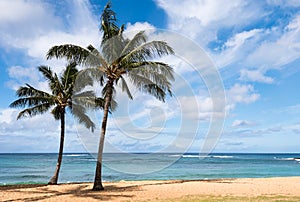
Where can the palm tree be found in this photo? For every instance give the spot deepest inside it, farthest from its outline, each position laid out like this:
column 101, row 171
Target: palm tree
column 60, row 98
column 118, row 61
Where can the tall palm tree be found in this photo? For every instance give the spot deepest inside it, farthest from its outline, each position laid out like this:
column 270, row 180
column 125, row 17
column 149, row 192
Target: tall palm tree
column 118, row 61
column 60, row 98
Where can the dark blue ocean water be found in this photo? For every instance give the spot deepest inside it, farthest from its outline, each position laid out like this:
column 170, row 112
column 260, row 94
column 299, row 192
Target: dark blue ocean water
column 38, row 168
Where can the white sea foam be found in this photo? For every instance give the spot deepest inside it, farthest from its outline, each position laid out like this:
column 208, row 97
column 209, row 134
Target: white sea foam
column 76, row 155
column 223, row 157
column 206, row 156
column 190, row 156
column 194, row 156
column 284, row 159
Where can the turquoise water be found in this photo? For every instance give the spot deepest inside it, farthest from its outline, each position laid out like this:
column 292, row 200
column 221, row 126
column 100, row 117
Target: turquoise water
column 38, row 168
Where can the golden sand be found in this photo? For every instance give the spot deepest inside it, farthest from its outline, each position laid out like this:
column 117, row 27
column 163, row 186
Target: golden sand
column 153, row 190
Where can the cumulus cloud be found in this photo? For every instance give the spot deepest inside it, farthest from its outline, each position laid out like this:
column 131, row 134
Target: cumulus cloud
column 132, row 29
column 241, row 94
column 38, row 133
column 255, row 76
column 208, row 11
column 20, row 72
column 37, row 27
column 203, row 18
column 21, row 20
column 43, row 124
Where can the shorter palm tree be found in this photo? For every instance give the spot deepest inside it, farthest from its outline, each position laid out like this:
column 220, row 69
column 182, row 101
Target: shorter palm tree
column 60, row 98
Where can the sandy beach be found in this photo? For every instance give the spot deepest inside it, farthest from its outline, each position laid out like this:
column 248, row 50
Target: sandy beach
column 285, row 187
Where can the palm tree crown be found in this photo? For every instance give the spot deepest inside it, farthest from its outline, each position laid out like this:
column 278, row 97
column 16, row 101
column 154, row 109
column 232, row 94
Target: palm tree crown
column 122, row 59
column 60, row 98
column 61, row 95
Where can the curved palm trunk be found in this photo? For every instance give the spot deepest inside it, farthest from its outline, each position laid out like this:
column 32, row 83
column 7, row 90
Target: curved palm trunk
column 98, row 175
column 54, row 178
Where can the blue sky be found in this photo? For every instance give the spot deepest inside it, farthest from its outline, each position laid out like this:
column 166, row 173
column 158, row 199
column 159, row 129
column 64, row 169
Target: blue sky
column 254, row 46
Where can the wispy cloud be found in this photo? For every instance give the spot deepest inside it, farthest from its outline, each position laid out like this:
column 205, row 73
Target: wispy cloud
column 243, row 123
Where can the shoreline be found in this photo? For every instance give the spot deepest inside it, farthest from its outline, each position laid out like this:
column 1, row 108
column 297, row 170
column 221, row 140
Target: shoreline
column 157, row 190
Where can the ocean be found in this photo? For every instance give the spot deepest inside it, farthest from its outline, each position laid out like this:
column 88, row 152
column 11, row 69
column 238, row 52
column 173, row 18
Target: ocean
column 38, row 168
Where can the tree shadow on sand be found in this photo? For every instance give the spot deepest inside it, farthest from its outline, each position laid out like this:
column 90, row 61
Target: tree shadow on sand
column 83, row 191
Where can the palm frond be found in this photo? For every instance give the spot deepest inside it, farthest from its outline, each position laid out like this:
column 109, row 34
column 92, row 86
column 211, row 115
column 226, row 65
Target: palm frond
column 156, row 91
column 47, row 73
column 57, row 87
column 28, row 91
column 79, row 113
column 32, row 101
column 99, row 102
column 70, row 52
column 56, row 112
column 32, row 111
column 86, row 78
column 158, row 67
column 108, row 23
column 68, row 77
column 154, row 76
column 95, row 59
column 125, row 88
column 147, row 51
column 145, row 84
column 86, row 99
column 135, row 42
column 112, row 48
column 104, row 91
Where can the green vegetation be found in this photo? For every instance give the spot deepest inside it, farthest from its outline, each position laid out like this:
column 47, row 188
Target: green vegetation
column 119, row 61
column 60, row 98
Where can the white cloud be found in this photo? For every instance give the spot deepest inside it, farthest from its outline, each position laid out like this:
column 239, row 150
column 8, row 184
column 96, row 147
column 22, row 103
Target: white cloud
column 6, row 115
column 201, row 19
column 20, row 10
column 22, row 19
column 242, row 123
column 283, row 3
column 276, row 54
column 271, row 47
column 42, row 124
column 237, row 47
column 238, row 94
column 38, row 28
column 240, row 38
column 38, row 133
column 18, row 72
column 255, row 75
column 21, row 75
column 45, row 29
column 207, row 11
column 132, row 29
